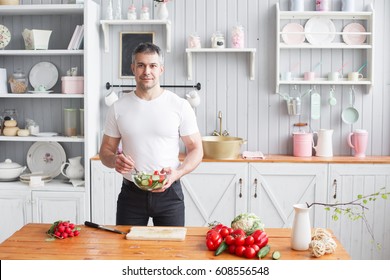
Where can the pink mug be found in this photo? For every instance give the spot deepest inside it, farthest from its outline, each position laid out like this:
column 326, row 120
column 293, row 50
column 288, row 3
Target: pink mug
column 357, row 140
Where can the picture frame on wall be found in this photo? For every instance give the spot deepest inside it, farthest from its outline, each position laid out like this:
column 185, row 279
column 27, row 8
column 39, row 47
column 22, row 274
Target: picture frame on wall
column 128, row 42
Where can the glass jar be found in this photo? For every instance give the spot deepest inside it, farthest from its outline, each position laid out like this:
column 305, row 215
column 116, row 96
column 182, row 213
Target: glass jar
column 238, row 37
column 7, row 114
column 218, row 40
column 322, row 5
column 194, row 41
column 18, row 82
column 131, row 13
column 145, row 13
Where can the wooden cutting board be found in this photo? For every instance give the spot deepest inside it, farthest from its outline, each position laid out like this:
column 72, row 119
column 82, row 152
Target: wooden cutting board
column 157, row 233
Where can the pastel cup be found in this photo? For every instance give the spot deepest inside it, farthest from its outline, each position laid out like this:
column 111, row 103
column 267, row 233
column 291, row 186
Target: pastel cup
column 286, row 76
column 334, row 76
column 355, row 76
column 309, row 76
column 357, row 140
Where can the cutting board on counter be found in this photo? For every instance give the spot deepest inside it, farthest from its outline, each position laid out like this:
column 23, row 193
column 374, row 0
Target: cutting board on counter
column 157, row 233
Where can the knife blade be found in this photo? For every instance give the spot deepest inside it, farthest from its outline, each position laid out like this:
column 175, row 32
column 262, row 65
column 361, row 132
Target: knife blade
column 93, row 225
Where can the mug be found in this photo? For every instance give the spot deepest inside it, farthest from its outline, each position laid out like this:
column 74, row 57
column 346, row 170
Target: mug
column 357, row 140
column 334, row 76
column 110, row 98
column 308, row 76
column 286, row 76
column 355, row 76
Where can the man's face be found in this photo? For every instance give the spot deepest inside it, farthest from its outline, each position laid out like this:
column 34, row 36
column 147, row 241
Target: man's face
column 147, row 70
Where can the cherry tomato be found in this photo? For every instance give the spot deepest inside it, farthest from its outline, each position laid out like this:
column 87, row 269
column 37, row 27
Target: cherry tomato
column 240, row 250
column 224, row 232
column 218, row 227
column 255, row 247
column 249, row 253
column 156, row 172
column 71, row 226
column 76, row 232
column 162, row 178
column 229, row 240
column 239, row 240
column 239, row 231
column 61, row 229
column 232, row 249
column 68, row 230
column 249, row 240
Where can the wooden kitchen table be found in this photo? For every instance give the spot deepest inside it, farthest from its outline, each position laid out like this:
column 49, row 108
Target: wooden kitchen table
column 31, row 242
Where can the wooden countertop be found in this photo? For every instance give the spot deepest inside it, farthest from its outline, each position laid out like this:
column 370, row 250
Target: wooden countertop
column 31, row 242
column 292, row 159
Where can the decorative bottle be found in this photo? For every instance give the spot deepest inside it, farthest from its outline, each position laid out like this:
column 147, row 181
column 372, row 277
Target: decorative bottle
column 145, row 13
column 238, row 37
column 131, row 13
column 322, row 5
column 162, row 11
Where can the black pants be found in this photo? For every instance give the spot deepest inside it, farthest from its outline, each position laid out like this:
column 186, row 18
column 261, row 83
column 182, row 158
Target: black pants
column 135, row 206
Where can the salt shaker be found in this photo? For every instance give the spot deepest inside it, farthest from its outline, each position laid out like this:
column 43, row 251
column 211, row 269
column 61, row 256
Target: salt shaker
column 238, row 37
column 145, row 13
column 131, row 13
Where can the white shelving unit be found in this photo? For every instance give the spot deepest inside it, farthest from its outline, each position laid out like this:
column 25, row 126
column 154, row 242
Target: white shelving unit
column 367, row 17
column 107, row 23
column 250, row 51
column 58, row 189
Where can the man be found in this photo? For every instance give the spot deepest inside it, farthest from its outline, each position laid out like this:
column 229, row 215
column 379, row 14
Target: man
column 149, row 122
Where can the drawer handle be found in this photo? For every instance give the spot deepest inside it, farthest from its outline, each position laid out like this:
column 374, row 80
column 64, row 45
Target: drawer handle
column 255, row 195
column 335, row 188
column 240, row 182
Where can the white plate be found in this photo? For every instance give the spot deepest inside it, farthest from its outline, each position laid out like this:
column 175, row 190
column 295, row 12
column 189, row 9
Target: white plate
column 46, row 157
column 320, row 30
column 34, row 91
column 26, row 177
column 354, row 39
column 5, row 36
column 45, row 134
column 43, row 74
column 293, row 39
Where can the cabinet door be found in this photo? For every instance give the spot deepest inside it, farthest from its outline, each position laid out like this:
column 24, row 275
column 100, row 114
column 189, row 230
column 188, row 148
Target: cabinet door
column 15, row 209
column 215, row 192
column 49, row 207
column 106, row 184
column 349, row 181
column 275, row 188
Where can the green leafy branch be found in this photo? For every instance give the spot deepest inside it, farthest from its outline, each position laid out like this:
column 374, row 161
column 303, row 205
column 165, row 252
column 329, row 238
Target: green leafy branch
column 354, row 209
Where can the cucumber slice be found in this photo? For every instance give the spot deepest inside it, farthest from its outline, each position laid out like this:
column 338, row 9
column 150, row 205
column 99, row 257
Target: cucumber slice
column 276, row 255
column 145, row 182
column 156, row 177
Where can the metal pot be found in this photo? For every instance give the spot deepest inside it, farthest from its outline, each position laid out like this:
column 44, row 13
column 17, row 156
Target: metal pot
column 10, row 171
column 222, row 147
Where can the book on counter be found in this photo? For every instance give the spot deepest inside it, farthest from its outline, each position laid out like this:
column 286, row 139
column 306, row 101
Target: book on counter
column 77, row 38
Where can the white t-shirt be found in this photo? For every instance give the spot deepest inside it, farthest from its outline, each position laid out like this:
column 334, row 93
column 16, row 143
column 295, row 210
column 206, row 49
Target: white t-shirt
column 150, row 130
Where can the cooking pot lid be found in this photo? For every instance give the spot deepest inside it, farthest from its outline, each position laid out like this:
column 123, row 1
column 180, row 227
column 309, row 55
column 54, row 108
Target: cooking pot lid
column 8, row 164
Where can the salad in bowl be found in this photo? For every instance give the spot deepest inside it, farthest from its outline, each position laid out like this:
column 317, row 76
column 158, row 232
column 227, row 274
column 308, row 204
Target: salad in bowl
column 149, row 181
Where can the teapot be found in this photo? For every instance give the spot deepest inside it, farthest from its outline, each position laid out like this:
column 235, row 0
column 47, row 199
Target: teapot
column 73, row 169
column 324, row 143
column 193, row 98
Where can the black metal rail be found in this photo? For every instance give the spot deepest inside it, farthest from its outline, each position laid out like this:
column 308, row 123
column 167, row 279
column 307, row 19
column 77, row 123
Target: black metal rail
column 197, row 86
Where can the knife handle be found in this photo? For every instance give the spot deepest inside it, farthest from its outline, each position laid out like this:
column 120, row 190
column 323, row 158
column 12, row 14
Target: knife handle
column 90, row 224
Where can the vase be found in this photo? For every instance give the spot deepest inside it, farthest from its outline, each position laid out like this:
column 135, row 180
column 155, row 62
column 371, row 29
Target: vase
column 162, row 11
column 301, row 230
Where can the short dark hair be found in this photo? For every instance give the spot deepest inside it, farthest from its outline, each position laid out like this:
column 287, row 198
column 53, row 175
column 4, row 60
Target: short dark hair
column 149, row 48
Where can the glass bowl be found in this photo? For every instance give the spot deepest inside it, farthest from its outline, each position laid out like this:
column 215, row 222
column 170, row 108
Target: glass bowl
column 149, row 181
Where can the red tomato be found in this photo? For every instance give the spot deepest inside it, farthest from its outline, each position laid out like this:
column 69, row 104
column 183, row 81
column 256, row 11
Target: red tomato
column 249, row 240
column 218, row 227
column 71, row 226
column 229, row 240
column 249, row 252
column 156, row 172
column 232, row 249
column 239, row 240
column 239, row 231
column 76, row 232
column 150, row 181
column 224, row 232
column 162, row 178
column 240, row 250
column 255, row 247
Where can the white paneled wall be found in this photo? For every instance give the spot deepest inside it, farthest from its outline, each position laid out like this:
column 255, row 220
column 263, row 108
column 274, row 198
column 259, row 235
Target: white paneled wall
column 251, row 109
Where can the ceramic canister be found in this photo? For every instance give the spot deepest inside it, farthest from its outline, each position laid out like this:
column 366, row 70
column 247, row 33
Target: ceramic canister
column 302, row 144
column 357, row 140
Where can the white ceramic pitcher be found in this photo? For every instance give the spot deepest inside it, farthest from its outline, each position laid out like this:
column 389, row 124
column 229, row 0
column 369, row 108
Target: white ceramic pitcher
column 324, row 146
column 73, row 169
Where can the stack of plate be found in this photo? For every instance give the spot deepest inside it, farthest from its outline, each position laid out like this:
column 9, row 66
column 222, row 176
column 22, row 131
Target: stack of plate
column 25, row 178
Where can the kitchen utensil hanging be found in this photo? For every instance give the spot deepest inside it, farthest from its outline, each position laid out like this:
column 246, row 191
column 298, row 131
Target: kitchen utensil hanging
column 350, row 115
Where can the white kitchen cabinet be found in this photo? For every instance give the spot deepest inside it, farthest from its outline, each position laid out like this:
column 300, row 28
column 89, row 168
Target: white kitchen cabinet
column 346, row 183
column 215, row 191
column 275, row 187
column 20, row 205
column 357, row 54
column 47, row 109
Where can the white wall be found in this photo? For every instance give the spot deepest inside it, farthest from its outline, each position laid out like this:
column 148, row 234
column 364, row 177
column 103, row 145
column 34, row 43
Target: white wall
column 251, row 109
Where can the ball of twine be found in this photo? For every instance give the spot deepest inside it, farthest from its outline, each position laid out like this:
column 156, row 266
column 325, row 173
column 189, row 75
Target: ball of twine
column 322, row 243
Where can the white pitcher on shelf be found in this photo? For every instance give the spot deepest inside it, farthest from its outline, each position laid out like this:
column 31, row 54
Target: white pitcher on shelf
column 73, row 169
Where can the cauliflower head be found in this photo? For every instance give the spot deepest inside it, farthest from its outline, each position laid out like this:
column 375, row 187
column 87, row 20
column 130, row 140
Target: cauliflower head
column 248, row 222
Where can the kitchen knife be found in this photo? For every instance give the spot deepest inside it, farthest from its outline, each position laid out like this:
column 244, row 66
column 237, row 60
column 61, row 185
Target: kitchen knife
column 93, row 225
